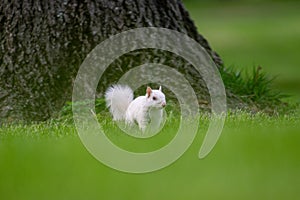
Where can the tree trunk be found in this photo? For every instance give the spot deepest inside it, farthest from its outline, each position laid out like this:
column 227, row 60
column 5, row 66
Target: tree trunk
column 43, row 44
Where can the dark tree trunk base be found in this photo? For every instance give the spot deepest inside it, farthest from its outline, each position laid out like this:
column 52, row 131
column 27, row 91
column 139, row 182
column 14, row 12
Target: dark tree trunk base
column 43, row 44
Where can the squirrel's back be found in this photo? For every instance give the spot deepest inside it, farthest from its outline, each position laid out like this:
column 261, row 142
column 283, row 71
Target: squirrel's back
column 118, row 98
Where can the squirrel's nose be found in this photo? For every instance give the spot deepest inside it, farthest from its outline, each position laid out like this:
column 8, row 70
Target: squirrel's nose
column 163, row 104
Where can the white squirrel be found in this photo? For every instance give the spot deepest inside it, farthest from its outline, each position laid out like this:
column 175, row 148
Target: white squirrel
column 123, row 106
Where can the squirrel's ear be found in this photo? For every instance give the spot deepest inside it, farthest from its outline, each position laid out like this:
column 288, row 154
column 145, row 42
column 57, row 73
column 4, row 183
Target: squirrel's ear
column 160, row 88
column 148, row 91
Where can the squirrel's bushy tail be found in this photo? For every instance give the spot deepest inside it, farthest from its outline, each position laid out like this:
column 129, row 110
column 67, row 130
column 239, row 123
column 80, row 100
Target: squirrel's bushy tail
column 118, row 98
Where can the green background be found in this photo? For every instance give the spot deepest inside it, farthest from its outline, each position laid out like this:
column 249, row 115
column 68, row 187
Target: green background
column 251, row 33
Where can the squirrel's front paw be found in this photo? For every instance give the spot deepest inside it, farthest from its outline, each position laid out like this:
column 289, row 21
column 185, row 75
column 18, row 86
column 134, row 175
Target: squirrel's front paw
column 129, row 122
column 142, row 128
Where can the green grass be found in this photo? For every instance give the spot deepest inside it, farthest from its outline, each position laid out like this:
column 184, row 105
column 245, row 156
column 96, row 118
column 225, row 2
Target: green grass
column 254, row 33
column 257, row 90
column 257, row 157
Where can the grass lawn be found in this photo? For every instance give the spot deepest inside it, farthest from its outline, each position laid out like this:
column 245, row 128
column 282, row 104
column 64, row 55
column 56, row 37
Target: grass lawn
column 254, row 33
column 256, row 157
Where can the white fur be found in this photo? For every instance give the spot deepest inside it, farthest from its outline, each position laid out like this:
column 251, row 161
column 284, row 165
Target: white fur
column 122, row 106
column 118, row 98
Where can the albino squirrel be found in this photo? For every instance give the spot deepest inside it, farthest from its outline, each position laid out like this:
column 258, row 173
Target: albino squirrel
column 122, row 106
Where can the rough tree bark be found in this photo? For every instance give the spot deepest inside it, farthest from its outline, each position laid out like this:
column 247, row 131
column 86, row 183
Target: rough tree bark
column 43, row 43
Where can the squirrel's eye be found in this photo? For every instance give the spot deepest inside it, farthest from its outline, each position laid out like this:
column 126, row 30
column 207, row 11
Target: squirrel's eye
column 154, row 98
